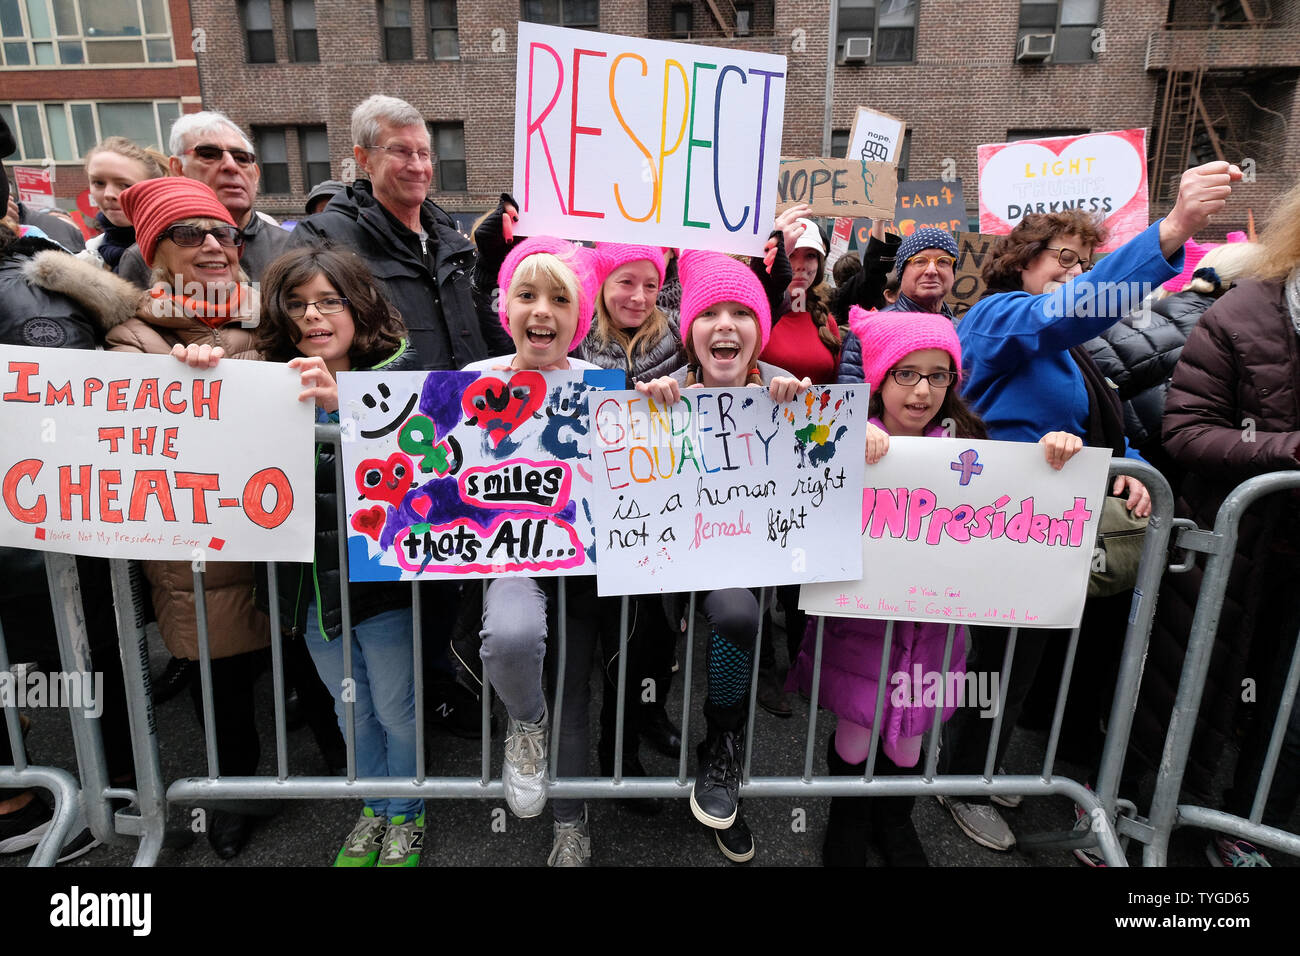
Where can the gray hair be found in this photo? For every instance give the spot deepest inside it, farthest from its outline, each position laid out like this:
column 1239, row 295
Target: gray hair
column 379, row 109
column 190, row 125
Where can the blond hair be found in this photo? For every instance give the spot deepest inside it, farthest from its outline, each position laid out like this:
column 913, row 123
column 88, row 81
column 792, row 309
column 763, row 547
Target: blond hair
column 1280, row 242
column 1230, row 261
column 154, row 162
column 633, row 341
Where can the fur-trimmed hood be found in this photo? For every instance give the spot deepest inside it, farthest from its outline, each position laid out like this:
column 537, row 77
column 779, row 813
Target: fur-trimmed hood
column 110, row 300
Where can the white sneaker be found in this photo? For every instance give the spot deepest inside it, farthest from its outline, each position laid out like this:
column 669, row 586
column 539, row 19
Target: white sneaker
column 981, row 822
column 524, row 773
column 572, row 844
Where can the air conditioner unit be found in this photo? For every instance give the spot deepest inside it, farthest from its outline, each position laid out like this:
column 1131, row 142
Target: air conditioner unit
column 1035, row 47
column 857, row 48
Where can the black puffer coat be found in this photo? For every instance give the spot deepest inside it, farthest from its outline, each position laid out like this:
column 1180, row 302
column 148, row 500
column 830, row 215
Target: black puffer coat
column 1233, row 412
column 447, row 328
column 1139, row 354
column 300, row 584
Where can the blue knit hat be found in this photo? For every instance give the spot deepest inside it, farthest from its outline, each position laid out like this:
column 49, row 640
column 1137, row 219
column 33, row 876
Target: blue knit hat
column 921, row 240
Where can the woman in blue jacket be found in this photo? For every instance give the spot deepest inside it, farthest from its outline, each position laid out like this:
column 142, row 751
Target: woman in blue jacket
column 1027, row 374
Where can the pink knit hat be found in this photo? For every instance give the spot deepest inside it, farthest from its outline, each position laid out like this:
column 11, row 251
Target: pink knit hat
column 888, row 337
column 611, row 255
column 1193, row 253
column 154, row 204
column 580, row 259
column 709, row 278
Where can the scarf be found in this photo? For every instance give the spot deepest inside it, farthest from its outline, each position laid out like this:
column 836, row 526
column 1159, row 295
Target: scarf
column 117, row 239
column 213, row 315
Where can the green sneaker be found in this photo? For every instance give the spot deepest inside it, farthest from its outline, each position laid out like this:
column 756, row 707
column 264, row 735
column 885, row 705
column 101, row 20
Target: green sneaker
column 403, row 841
column 363, row 844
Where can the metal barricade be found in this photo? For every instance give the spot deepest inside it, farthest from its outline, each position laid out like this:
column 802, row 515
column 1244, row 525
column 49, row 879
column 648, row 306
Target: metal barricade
column 1166, row 812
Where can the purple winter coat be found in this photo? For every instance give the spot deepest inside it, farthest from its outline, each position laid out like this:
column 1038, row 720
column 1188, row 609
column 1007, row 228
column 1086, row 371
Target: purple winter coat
column 851, row 649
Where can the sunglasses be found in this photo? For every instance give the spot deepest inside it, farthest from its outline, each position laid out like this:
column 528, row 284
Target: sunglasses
column 213, row 154
column 191, row 236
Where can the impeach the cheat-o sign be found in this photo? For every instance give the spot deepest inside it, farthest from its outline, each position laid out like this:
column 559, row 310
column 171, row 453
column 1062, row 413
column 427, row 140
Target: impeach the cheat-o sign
column 677, row 143
column 139, row 456
column 1100, row 173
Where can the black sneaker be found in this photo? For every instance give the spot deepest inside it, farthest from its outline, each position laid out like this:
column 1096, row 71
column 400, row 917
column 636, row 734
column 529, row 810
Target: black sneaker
column 174, row 679
column 736, row 842
column 23, row 829
column 717, row 788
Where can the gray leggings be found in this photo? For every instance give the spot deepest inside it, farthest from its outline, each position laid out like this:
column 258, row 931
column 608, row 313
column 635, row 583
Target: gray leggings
column 514, row 644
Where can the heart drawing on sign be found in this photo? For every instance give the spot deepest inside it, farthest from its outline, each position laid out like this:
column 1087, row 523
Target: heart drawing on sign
column 499, row 407
column 1105, row 171
column 389, row 480
column 370, row 522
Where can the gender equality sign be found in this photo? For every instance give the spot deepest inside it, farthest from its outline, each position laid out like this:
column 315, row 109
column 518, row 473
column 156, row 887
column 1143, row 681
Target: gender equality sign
column 973, row 532
column 1101, row 173
column 467, row 473
column 677, row 143
column 140, row 456
column 726, row 488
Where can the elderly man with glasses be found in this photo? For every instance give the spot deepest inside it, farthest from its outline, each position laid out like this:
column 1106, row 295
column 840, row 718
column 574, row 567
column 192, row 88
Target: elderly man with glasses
column 926, row 265
column 411, row 245
column 209, row 147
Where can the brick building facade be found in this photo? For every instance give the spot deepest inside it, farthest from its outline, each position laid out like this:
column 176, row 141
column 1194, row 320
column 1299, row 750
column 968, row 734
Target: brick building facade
column 76, row 71
column 290, row 71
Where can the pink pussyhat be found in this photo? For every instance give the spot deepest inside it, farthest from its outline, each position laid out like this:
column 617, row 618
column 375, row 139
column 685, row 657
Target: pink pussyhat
column 1193, row 253
column 888, row 337
column 580, row 260
column 709, row 278
column 612, row 255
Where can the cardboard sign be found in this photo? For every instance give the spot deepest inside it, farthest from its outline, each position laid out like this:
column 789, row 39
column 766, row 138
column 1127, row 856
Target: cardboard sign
column 34, row 186
column 452, row 474
column 1102, row 173
column 140, row 456
column 837, row 187
column 875, row 137
column 631, row 140
column 725, row 488
column 973, row 250
column 972, row 532
column 929, row 204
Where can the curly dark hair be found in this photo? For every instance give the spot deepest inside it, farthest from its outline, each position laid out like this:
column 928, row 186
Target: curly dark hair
column 379, row 327
column 1014, row 252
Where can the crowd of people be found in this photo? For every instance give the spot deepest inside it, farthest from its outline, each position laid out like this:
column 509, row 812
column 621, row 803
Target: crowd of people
column 377, row 277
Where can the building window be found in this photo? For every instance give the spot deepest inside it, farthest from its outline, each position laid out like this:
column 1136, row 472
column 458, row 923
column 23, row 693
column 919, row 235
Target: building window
column 744, row 19
column 444, row 41
column 272, row 158
column 314, row 145
column 256, row 15
column 681, row 19
column 65, row 132
column 839, row 143
column 395, row 22
column 63, row 32
column 889, row 26
column 1072, row 22
column 579, row 14
column 301, row 16
column 904, row 154
column 449, row 152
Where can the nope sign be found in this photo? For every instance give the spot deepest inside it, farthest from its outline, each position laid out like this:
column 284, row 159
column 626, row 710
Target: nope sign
column 630, row 140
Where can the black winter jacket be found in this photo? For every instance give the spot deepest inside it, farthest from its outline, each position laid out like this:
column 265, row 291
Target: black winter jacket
column 354, row 219
column 300, row 584
column 1139, row 354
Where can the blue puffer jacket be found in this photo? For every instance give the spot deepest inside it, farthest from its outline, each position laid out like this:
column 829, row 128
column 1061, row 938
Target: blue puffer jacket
column 1020, row 376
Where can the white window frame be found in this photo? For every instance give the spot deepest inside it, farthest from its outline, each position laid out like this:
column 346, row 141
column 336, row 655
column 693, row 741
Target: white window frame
column 56, row 38
column 67, row 105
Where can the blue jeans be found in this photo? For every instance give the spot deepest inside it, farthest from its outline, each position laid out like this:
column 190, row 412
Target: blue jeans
column 384, row 705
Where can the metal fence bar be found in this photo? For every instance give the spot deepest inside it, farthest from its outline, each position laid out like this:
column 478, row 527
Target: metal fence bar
column 417, row 666
column 205, row 675
column 485, row 734
column 277, row 673
column 331, row 435
column 812, row 700
column 932, row 754
column 1275, row 739
column 880, row 702
column 1166, row 813
column 686, row 693
column 562, row 610
column 620, row 690
column 1058, row 715
column 1008, row 658
column 753, row 685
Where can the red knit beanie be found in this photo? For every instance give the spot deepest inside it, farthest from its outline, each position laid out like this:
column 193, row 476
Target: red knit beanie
column 154, row 204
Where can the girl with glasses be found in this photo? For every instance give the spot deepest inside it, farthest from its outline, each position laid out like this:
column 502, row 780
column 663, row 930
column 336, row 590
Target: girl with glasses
column 913, row 365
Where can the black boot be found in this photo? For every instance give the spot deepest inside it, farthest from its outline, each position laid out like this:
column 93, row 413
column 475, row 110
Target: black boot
column 891, row 823
column 658, row 730
column 716, row 793
column 848, row 827
column 632, row 767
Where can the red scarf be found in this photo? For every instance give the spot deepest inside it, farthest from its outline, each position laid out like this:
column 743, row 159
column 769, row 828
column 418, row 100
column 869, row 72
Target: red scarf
column 213, row 316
